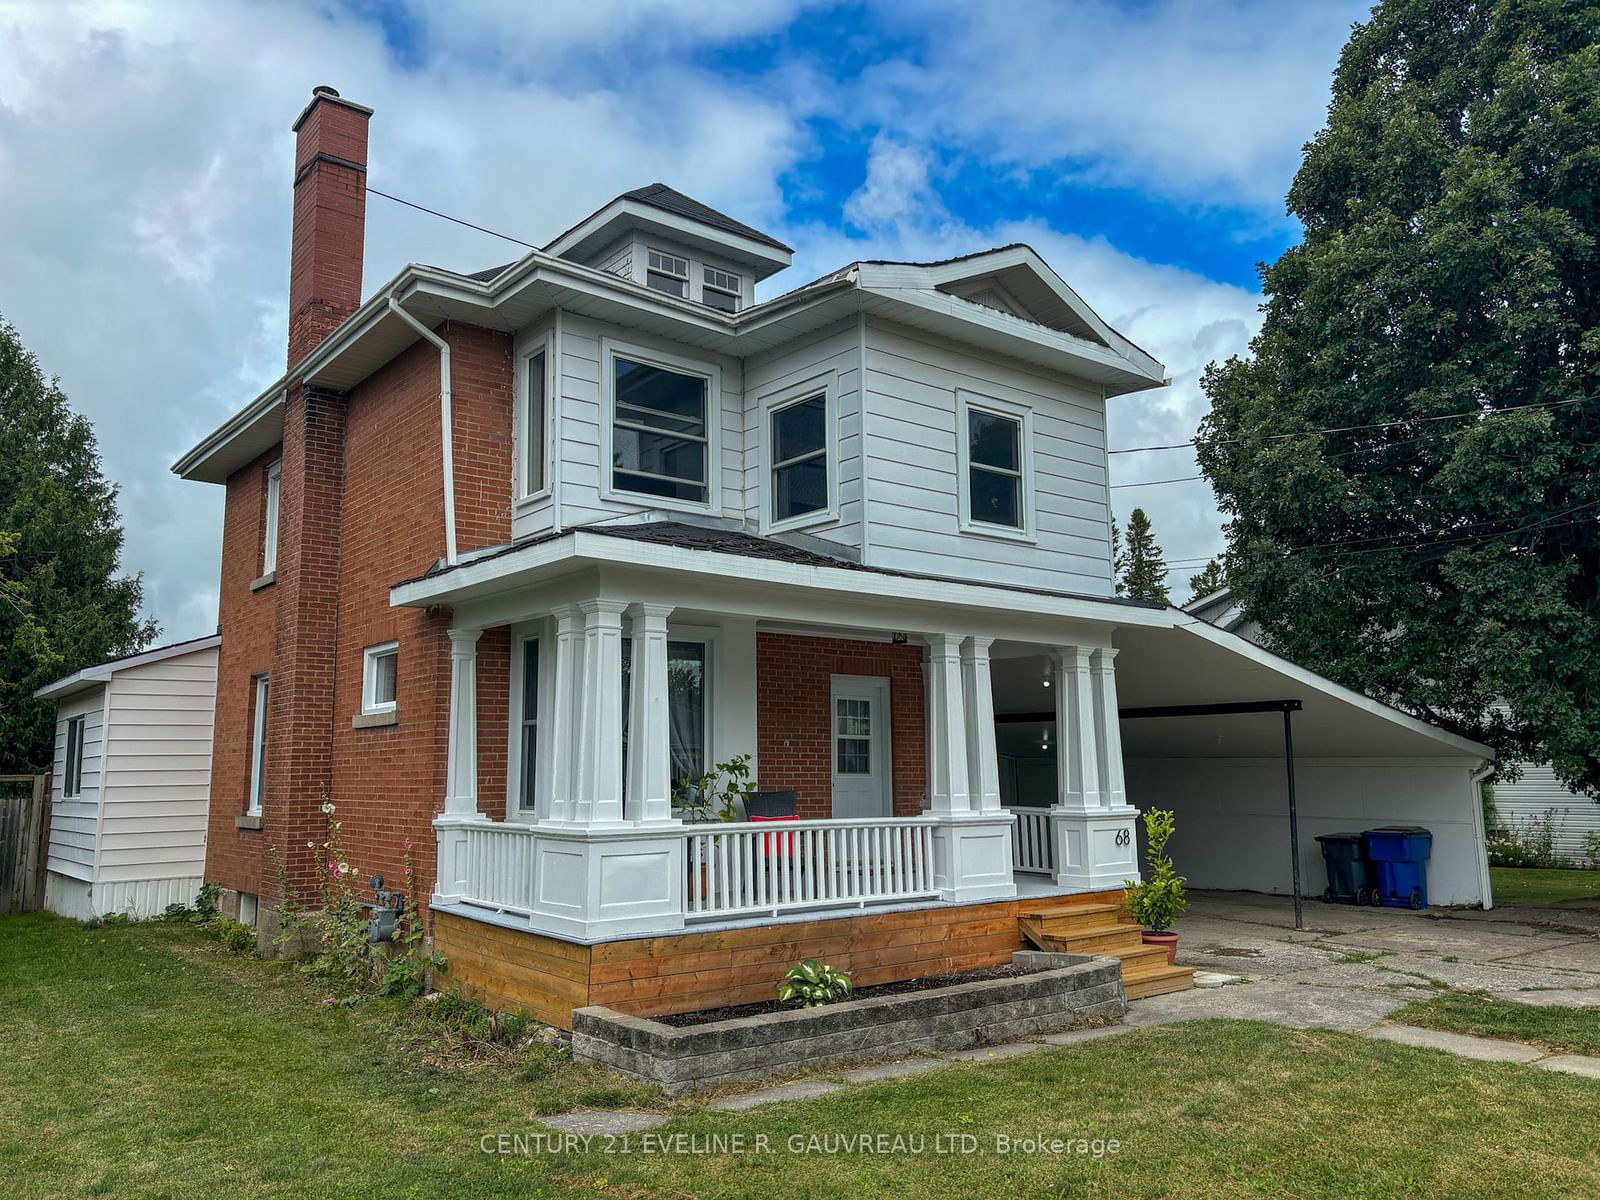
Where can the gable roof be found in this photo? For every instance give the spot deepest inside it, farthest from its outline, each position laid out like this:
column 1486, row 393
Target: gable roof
column 90, row 676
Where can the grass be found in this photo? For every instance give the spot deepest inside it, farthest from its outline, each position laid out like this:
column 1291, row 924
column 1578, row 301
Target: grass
column 144, row 1061
column 1531, row 887
column 1576, row 1030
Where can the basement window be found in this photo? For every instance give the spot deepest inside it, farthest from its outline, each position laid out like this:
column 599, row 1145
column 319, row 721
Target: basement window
column 380, row 678
column 668, row 273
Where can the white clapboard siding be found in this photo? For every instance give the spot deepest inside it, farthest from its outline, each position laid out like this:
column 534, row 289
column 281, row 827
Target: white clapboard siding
column 157, row 776
column 912, row 467
column 1536, row 794
column 75, row 821
column 836, row 351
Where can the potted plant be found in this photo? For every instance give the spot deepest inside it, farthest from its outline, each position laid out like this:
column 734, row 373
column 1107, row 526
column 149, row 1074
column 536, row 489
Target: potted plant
column 713, row 797
column 1158, row 902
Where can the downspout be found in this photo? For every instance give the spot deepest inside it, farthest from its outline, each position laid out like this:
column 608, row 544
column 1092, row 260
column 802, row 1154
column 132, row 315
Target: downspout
column 446, row 428
column 1477, row 777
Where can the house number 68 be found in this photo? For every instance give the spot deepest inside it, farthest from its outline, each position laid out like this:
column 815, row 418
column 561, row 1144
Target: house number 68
column 1122, row 837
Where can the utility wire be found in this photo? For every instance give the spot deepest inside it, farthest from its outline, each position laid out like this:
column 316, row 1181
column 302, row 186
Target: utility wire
column 433, row 212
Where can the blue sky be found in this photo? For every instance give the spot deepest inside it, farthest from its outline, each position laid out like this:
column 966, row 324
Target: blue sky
column 1143, row 148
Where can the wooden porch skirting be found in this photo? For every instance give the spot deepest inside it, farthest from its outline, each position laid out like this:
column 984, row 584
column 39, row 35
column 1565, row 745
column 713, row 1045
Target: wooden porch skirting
column 546, row 978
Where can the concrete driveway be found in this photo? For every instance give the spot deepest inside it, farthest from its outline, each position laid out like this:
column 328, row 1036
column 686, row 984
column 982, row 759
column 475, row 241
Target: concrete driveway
column 1351, row 967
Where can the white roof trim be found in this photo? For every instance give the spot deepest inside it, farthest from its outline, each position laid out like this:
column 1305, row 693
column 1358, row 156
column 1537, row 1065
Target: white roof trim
column 766, row 259
column 90, row 676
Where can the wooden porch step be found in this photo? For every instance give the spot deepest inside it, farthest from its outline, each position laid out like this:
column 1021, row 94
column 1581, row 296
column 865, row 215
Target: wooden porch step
column 1157, row 982
column 1049, row 905
column 1100, row 939
column 1082, row 919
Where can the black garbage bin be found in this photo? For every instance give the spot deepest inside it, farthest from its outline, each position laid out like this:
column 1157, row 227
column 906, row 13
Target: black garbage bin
column 1349, row 871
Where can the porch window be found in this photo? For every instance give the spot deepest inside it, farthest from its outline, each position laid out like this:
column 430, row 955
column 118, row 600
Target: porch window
column 995, row 449
column 852, row 736
column 72, row 784
column 530, row 719
column 799, row 458
column 686, row 706
column 660, row 441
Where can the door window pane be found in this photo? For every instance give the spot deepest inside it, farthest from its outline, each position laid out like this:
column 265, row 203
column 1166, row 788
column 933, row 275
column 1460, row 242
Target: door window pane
column 852, row 728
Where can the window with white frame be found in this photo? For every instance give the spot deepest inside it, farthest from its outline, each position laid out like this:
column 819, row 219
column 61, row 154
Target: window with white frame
column 269, row 536
column 660, row 430
column 668, row 273
column 528, row 757
column 687, row 711
column 994, row 467
column 852, row 736
column 534, row 424
column 258, row 746
column 798, row 437
column 380, row 676
column 72, row 766
column 720, row 289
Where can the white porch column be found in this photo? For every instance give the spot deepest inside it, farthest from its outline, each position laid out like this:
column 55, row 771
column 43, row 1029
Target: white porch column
column 649, row 746
column 1077, row 765
column 1108, row 728
column 558, row 728
column 461, row 750
column 949, row 786
column 983, row 760
column 598, row 774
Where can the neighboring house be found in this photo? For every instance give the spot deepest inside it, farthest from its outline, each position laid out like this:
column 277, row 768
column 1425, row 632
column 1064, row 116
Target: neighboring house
column 130, row 789
column 506, row 553
column 1522, row 805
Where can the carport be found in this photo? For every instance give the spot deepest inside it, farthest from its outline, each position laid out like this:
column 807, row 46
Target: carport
column 1357, row 763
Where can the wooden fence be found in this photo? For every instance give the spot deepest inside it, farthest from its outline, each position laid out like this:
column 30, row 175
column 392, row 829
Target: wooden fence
column 24, row 837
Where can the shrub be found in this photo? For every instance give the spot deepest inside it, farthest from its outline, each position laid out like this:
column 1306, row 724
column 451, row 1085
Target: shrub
column 237, row 937
column 1528, row 844
column 1591, row 850
column 1159, row 900
column 810, row 984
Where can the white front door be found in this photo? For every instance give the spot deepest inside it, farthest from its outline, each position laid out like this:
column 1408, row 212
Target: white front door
column 860, row 714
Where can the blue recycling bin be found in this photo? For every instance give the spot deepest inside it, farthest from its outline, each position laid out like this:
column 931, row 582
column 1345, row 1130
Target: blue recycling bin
column 1399, row 856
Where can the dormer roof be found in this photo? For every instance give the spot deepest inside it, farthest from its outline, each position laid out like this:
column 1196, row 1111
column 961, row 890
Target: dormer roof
column 666, row 212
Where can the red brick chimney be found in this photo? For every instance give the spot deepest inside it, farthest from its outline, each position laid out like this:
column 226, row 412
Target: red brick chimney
column 330, row 216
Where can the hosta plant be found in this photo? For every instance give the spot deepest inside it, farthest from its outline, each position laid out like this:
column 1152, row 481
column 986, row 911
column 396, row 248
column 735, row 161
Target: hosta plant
column 811, row 983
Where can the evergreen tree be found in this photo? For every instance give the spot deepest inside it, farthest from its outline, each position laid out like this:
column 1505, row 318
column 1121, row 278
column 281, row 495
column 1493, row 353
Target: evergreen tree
column 1212, row 577
column 1144, row 571
column 1119, row 560
column 1451, row 210
column 62, row 606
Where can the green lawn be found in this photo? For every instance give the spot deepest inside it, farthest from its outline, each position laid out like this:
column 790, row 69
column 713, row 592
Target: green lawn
column 143, row 1061
column 1576, row 1030
column 1530, row 887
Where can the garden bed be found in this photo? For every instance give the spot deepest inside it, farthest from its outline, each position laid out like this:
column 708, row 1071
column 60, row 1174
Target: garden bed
column 1037, row 994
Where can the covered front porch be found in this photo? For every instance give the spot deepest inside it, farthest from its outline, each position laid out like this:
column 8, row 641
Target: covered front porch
column 874, row 710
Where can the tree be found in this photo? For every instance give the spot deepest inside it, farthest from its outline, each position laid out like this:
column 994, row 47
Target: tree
column 62, row 606
column 1119, row 560
column 1451, row 210
column 1212, row 577
column 1144, row 570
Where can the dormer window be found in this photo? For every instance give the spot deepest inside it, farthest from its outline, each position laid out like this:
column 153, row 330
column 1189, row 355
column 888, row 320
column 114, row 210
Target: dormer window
column 668, row 273
column 721, row 290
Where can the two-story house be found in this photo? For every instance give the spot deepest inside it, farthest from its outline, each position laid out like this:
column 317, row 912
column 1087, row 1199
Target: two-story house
column 507, row 554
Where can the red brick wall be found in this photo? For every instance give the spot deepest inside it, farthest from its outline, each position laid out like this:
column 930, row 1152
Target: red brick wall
column 330, row 212
column 794, row 726
column 233, row 856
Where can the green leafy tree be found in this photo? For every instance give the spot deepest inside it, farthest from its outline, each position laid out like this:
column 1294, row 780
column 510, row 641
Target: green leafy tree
column 1212, row 577
column 1144, row 569
column 62, row 605
column 1451, row 210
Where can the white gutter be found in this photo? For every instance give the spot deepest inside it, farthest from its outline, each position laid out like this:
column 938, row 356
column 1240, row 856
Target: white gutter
column 1481, row 834
column 446, row 427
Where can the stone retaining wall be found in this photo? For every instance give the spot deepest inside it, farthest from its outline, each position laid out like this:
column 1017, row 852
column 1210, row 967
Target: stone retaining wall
column 1067, row 990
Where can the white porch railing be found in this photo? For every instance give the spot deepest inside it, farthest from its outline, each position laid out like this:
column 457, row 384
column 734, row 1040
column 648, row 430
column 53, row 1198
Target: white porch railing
column 780, row 866
column 500, row 867
column 1032, row 850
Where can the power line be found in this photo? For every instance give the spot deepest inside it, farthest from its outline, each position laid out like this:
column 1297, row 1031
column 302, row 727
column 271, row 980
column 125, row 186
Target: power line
column 1280, row 437
column 433, row 212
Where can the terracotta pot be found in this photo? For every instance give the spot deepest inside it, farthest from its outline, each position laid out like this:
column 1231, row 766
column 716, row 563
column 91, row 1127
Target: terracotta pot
column 1169, row 940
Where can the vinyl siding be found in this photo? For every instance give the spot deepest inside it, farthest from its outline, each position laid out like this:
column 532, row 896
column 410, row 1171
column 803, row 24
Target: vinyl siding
column 912, row 468
column 1539, row 792
column 74, row 823
column 158, row 773
column 836, row 350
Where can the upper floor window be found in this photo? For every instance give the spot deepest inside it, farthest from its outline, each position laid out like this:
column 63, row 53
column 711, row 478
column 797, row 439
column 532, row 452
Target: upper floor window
column 720, row 289
column 258, row 745
column 269, row 537
column 661, row 440
column 995, row 440
column 668, row 273
column 72, row 765
column 533, row 421
column 799, row 458
column 380, row 677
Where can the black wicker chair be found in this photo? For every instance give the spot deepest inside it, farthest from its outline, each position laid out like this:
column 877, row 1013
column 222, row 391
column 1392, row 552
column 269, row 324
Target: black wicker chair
column 772, row 804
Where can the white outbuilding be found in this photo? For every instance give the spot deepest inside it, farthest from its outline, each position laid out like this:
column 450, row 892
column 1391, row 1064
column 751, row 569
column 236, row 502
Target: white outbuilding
column 131, row 782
